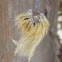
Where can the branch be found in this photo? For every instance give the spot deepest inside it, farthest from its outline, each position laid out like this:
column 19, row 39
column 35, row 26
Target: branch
column 53, row 36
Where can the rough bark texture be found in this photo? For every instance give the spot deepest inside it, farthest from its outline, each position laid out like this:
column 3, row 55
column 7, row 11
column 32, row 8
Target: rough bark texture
column 45, row 51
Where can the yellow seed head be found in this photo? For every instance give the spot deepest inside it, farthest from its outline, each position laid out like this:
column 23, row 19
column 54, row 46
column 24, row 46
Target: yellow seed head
column 33, row 30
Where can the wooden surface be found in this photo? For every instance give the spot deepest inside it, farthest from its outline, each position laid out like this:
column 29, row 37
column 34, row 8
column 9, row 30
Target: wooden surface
column 10, row 9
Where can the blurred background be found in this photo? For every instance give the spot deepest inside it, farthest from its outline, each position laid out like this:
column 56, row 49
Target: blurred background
column 50, row 50
column 59, row 29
